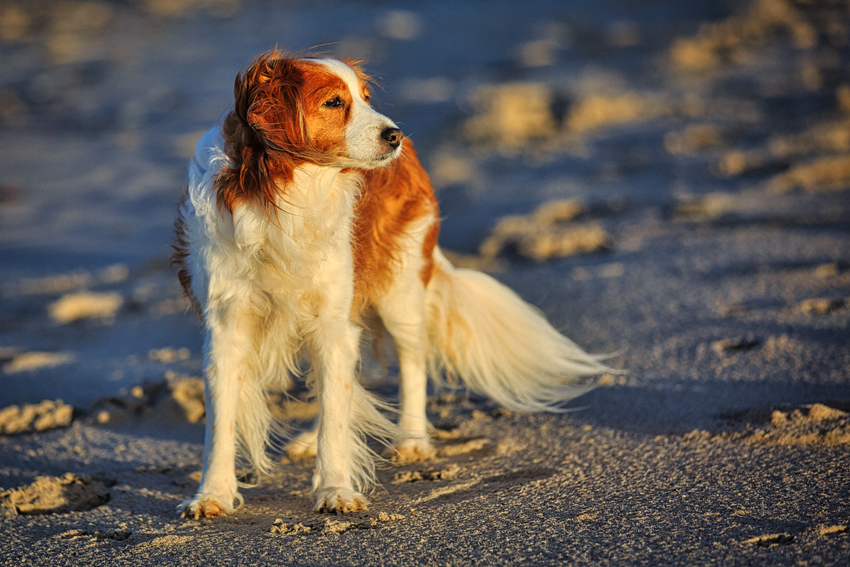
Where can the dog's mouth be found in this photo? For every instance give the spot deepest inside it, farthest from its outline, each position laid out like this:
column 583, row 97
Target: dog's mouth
column 382, row 160
column 386, row 158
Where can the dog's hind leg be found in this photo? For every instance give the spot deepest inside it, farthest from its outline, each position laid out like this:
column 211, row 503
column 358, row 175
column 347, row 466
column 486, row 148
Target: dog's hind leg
column 402, row 311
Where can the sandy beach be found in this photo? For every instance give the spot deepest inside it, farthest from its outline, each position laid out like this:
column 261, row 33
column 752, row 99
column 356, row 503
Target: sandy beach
column 667, row 181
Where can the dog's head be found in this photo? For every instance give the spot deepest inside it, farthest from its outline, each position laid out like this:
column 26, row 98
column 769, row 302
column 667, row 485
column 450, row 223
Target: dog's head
column 290, row 111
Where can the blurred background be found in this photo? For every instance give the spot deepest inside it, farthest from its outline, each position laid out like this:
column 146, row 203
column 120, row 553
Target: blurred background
column 578, row 149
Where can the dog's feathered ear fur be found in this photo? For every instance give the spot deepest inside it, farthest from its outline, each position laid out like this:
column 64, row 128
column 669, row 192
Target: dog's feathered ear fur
column 265, row 133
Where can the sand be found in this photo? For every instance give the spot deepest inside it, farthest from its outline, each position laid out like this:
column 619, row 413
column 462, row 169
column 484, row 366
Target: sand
column 48, row 414
column 50, row 495
column 666, row 181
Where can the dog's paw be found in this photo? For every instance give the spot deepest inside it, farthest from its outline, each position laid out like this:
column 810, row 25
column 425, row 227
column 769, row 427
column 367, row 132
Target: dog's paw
column 205, row 506
column 412, row 451
column 336, row 500
column 304, row 446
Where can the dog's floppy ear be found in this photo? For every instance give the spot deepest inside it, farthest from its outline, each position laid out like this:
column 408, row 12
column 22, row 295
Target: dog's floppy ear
column 264, row 131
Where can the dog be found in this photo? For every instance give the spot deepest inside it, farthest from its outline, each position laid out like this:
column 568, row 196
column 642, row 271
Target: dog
column 306, row 210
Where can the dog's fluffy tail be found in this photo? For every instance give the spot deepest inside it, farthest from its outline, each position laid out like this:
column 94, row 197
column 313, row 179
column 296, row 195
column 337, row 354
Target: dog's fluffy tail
column 498, row 345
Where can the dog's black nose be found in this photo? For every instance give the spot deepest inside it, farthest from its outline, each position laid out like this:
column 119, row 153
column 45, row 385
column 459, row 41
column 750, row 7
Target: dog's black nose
column 392, row 136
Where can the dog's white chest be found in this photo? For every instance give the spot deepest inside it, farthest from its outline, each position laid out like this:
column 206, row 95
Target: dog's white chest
column 302, row 250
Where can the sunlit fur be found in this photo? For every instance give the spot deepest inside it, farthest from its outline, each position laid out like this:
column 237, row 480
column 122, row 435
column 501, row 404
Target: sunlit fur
column 301, row 218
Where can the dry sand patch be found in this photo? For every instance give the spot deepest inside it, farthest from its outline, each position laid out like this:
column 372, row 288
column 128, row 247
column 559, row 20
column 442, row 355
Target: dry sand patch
column 729, row 40
column 547, row 233
column 810, row 424
column 85, row 305
column 52, row 495
column 324, row 527
column 36, row 360
column 431, row 474
column 28, row 418
column 178, row 398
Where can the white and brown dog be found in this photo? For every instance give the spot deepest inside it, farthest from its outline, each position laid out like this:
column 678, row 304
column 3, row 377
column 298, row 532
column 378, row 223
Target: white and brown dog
column 306, row 209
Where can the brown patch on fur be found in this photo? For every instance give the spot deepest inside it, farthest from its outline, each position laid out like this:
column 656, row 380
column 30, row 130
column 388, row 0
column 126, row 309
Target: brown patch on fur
column 279, row 121
column 392, row 197
column 179, row 254
column 266, row 118
column 326, row 125
column 428, row 246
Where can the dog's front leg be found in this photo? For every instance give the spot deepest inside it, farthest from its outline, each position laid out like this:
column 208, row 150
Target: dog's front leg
column 227, row 343
column 336, row 353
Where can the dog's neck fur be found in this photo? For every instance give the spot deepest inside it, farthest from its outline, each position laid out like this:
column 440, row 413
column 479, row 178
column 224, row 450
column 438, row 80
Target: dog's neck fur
column 312, row 212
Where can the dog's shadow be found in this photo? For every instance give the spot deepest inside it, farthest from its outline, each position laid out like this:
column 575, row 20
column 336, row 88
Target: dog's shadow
column 679, row 407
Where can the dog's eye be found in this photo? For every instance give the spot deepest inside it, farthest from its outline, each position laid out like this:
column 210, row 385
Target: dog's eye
column 334, row 102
